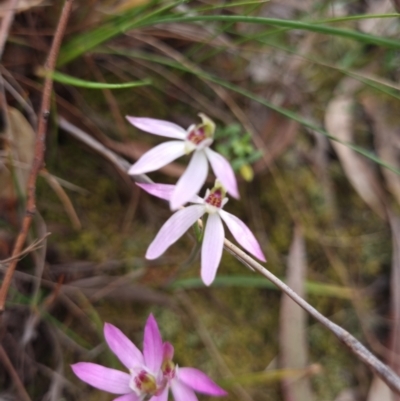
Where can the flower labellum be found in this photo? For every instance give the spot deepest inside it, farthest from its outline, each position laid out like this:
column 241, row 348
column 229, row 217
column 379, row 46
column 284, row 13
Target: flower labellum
column 150, row 375
column 196, row 139
column 214, row 235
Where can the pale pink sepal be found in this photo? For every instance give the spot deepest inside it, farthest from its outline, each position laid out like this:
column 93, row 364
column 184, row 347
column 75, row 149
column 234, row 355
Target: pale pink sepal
column 106, row 379
column 158, row 157
column 127, row 397
column 242, row 234
column 164, row 191
column 211, row 250
column 191, row 180
column 182, row 392
column 173, row 229
column 158, row 127
column 223, row 171
column 161, row 397
column 123, row 348
column 200, row 382
column 152, row 346
column 168, row 351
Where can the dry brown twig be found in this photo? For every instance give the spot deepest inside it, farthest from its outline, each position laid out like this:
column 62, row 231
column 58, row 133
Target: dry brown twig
column 39, row 151
column 5, row 361
column 6, row 24
column 32, row 247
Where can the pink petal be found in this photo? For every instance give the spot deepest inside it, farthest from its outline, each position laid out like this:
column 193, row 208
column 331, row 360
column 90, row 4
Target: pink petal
column 200, row 382
column 182, row 392
column 161, row 397
column 211, row 250
column 127, row 397
column 158, row 127
column 158, row 157
column 173, row 229
column 152, row 346
column 106, row 379
column 223, row 171
column 191, row 180
column 242, row 234
column 164, row 191
column 168, row 351
column 122, row 347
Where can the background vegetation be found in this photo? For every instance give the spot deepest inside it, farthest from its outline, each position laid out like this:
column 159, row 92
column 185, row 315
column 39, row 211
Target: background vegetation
column 305, row 96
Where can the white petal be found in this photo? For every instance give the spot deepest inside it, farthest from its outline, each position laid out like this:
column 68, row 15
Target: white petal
column 103, row 378
column 158, row 127
column 200, row 382
column 211, row 250
column 242, row 234
column 191, row 181
column 158, row 157
column 182, row 392
column 152, row 346
column 122, row 347
column 164, row 191
column 173, row 229
column 224, row 172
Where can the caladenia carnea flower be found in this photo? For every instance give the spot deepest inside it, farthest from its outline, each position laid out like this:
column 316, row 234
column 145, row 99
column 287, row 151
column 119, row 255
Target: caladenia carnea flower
column 214, row 235
column 151, row 374
column 196, row 139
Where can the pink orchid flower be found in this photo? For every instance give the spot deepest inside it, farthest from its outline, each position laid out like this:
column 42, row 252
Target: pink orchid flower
column 197, row 139
column 214, row 235
column 150, row 375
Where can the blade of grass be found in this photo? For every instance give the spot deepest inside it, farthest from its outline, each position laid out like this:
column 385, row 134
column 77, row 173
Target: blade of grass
column 312, row 288
column 86, row 42
column 73, row 81
column 299, row 25
column 117, row 25
column 285, row 112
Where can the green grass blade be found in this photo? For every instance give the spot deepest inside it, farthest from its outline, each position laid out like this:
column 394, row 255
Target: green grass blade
column 305, row 26
column 312, row 288
column 308, row 124
column 68, row 80
column 88, row 41
column 287, row 113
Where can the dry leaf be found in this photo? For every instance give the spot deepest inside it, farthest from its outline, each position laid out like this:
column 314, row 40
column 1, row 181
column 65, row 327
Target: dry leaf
column 347, row 395
column 379, row 391
column 339, row 123
column 387, row 141
column 293, row 321
column 394, row 346
column 20, row 147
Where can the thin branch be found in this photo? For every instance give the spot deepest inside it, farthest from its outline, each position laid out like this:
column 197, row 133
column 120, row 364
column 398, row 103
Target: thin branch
column 6, row 24
column 355, row 346
column 382, row 370
column 39, row 150
column 32, row 247
column 5, row 361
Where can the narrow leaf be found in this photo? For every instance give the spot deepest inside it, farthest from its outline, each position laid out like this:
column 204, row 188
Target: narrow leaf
column 73, row 81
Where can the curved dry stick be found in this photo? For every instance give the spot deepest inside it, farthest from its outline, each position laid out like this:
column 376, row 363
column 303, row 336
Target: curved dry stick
column 355, row 346
column 6, row 24
column 39, row 152
column 382, row 370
